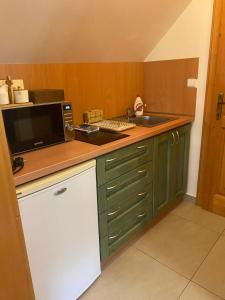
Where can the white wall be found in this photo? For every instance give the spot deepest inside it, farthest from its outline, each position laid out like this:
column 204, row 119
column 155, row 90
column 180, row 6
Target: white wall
column 190, row 37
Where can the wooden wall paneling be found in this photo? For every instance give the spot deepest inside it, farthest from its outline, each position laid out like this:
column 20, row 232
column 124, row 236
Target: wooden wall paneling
column 15, row 280
column 110, row 86
column 165, row 86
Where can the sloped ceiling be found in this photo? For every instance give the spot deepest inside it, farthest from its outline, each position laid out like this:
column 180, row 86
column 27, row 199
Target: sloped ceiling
column 37, row 31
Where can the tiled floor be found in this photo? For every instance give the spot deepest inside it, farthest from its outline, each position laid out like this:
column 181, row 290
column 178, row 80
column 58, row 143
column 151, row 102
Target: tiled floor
column 182, row 257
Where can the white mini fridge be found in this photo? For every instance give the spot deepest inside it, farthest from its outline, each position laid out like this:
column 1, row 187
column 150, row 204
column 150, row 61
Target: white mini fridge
column 60, row 223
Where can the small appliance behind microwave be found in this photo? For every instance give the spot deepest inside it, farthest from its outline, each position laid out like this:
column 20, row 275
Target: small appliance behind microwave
column 35, row 126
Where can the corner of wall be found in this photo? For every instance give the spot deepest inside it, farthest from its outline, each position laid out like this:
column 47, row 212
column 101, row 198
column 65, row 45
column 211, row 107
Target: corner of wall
column 189, row 37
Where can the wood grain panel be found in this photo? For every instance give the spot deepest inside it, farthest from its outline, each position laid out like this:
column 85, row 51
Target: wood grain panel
column 165, row 86
column 211, row 171
column 15, row 281
column 110, row 86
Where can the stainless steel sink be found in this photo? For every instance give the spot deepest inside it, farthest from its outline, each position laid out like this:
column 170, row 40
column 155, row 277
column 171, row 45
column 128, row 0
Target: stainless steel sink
column 149, row 121
column 146, row 120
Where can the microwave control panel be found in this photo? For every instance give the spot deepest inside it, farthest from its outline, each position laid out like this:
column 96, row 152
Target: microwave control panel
column 68, row 119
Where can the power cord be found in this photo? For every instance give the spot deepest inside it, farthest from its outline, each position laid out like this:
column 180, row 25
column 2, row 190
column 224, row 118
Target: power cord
column 17, row 164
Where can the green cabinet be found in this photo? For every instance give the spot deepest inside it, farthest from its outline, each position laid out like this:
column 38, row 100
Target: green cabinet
column 171, row 153
column 163, row 160
column 139, row 182
column 180, row 160
column 125, row 194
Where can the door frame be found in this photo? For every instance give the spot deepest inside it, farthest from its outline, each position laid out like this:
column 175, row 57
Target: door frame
column 15, row 276
column 202, row 197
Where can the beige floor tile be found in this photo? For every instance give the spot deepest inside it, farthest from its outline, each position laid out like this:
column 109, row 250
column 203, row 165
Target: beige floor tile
column 200, row 216
column 195, row 292
column 178, row 243
column 211, row 274
column 135, row 276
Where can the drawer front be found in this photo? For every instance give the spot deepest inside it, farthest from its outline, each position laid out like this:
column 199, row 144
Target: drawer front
column 108, row 246
column 122, row 224
column 130, row 184
column 117, row 205
column 127, row 234
column 121, row 161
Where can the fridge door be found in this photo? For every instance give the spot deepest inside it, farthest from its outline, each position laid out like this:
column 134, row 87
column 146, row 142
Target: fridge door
column 60, row 225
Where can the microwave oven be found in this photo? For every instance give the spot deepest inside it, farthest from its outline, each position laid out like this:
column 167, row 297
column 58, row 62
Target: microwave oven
column 31, row 127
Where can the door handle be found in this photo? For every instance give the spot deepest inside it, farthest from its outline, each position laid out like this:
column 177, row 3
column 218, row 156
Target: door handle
column 220, row 104
column 111, row 187
column 114, row 212
column 111, row 159
column 61, row 191
column 178, row 137
column 173, row 142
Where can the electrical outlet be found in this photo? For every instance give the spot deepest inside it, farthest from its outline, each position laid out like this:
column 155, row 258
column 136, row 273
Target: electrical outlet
column 192, row 82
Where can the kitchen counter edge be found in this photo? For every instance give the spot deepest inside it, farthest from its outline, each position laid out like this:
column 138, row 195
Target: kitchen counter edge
column 48, row 160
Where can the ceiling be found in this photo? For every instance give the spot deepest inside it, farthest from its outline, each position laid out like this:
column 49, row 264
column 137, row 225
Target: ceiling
column 84, row 30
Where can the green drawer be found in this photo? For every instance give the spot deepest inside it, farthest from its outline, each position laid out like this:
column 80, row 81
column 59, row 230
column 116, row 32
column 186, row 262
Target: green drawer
column 125, row 186
column 123, row 223
column 117, row 207
column 121, row 161
column 129, row 197
column 125, row 226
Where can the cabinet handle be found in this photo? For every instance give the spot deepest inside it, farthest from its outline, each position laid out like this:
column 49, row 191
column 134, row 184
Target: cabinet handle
column 61, row 191
column 173, row 142
column 111, row 187
column 141, row 215
column 142, row 171
column 141, row 147
column 178, row 137
column 114, row 236
column 114, row 212
column 142, row 194
column 111, row 159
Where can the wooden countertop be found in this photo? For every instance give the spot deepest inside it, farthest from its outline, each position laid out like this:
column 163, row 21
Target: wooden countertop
column 49, row 160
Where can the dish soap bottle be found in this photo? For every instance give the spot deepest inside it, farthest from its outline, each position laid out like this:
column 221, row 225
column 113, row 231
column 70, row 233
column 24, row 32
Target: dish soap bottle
column 138, row 107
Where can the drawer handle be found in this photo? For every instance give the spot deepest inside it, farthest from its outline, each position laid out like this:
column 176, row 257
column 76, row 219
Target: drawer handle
column 142, row 194
column 141, row 215
column 111, row 159
column 142, row 171
column 114, row 212
column 111, row 187
column 141, row 147
column 114, row 236
column 61, row 191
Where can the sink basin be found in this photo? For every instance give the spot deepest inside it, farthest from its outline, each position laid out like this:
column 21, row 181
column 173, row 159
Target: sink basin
column 146, row 120
column 149, row 121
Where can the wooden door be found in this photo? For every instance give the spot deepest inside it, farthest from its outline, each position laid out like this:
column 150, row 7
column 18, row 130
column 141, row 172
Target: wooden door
column 15, row 280
column 163, row 152
column 211, row 188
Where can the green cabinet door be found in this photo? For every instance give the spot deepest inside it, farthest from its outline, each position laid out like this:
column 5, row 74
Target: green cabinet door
column 163, row 168
column 171, row 153
column 180, row 160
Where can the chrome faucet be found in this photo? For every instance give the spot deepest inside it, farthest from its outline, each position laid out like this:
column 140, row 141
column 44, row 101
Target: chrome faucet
column 131, row 112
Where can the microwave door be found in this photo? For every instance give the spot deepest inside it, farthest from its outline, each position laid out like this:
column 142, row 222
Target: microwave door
column 33, row 127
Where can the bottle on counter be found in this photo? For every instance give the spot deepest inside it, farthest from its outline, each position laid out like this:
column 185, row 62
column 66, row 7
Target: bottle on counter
column 138, row 107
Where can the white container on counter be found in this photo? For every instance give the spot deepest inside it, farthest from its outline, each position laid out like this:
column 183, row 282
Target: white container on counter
column 4, row 96
column 21, row 96
column 138, row 106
